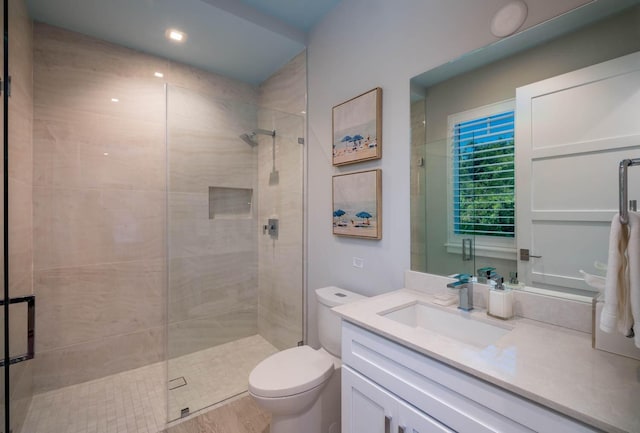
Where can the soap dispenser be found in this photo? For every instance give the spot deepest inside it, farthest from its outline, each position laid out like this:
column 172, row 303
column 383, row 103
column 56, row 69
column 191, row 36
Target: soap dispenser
column 500, row 299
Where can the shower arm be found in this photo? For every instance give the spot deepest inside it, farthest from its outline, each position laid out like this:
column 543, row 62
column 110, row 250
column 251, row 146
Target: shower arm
column 272, row 133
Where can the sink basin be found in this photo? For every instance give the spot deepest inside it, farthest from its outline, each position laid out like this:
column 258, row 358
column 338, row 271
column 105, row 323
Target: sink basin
column 457, row 325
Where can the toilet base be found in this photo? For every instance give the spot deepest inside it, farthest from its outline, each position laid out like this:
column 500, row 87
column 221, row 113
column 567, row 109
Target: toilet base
column 322, row 417
column 308, row 422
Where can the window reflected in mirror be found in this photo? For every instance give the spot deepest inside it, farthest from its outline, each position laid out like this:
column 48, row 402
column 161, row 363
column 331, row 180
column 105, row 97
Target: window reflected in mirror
column 465, row 157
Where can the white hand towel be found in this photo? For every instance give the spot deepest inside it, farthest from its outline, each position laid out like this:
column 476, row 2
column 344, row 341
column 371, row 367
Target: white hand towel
column 616, row 312
column 633, row 256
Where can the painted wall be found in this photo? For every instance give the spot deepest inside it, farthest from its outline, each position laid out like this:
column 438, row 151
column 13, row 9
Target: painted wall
column 20, row 201
column 362, row 44
column 613, row 37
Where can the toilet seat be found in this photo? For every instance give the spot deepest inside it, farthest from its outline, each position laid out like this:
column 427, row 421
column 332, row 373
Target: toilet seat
column 290, row 372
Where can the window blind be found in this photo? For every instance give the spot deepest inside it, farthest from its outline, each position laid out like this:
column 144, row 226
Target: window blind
column 483, row 176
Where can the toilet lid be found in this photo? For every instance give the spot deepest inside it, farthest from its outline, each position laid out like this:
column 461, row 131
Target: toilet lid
column 290, row 372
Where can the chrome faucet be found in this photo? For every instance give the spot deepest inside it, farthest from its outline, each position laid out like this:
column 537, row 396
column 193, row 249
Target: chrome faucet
column 465, row 287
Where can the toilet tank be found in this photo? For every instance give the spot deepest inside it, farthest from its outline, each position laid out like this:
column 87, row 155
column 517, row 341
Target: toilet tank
column 329, row 323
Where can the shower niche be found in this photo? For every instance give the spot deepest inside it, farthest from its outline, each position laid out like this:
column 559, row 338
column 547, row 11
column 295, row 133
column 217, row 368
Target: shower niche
column 230, row 203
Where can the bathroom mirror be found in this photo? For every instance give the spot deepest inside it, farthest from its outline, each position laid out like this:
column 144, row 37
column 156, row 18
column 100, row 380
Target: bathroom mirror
column 480, row 199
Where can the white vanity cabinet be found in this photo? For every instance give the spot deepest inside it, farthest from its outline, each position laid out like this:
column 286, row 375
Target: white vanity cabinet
column 371, row 409
column 389, row 388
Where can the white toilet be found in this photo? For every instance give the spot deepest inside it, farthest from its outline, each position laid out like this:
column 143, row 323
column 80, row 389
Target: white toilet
column 300, row 387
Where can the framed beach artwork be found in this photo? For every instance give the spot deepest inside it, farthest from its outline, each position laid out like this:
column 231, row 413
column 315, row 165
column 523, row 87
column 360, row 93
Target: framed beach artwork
column 357, row 129
column 357, row 204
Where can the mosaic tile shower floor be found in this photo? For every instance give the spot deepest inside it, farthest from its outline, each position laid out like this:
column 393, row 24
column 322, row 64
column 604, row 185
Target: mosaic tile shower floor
column 134, row 401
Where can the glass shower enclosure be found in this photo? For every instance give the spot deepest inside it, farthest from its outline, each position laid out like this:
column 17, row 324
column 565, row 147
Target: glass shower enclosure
column 234, row 243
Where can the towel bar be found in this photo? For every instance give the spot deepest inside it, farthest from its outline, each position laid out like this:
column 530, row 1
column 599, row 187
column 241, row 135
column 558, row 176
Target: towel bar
column 622, row 185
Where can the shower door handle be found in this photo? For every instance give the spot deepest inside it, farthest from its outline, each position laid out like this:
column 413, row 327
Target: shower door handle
column 31, row 328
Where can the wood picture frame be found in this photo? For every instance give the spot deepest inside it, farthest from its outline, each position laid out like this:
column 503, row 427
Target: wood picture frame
column 357, row 204
column 357, row 129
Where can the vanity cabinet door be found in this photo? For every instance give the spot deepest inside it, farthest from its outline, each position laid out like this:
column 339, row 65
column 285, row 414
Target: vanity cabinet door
column 368, row 408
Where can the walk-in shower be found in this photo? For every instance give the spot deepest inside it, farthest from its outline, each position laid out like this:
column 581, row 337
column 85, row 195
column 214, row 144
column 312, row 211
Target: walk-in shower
column 139, row 231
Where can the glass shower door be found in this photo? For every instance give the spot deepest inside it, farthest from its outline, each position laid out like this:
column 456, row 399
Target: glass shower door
column 17, row 302
column 4, row 371
column 234, row 244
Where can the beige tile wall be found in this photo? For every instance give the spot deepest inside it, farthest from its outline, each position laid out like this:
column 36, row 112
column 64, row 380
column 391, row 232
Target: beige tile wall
column 99, row 208
column 280, row 302
column 213, row 262
column 20, row 200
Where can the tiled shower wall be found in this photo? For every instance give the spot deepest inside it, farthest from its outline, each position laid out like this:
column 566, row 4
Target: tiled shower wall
column 100, row 206
column 213, row 274
column 20, row 200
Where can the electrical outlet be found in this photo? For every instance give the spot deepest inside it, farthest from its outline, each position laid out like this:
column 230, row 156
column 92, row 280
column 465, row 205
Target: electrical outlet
column 358, row 262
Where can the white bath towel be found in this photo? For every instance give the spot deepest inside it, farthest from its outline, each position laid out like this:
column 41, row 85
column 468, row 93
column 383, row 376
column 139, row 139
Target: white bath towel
column 633, row 257
column 616, row 312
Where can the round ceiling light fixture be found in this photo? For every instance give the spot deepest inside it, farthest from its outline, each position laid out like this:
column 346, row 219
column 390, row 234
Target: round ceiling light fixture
column 509, row 18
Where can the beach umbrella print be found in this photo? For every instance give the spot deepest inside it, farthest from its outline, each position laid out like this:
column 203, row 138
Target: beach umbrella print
column 338, row 213
column 346, row 139
column 357, row 137
column 364, row 215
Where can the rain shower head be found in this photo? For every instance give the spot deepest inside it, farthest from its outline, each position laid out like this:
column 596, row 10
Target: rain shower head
column 250, row 137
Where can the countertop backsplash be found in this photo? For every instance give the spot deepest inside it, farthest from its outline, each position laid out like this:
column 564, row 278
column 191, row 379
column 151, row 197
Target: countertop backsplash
column 566, row 313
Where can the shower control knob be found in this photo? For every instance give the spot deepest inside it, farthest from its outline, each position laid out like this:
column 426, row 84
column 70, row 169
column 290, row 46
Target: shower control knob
column 272, row 227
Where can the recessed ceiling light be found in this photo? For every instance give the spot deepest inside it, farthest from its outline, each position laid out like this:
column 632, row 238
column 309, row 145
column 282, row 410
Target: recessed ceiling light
column 115, row 100
column 509, row 18
column 303, row 112
column 176, row 35
column 158, row 74
column 106, row 154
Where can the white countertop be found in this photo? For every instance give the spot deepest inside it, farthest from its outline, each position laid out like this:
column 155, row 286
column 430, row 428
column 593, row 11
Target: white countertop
column 553, row 366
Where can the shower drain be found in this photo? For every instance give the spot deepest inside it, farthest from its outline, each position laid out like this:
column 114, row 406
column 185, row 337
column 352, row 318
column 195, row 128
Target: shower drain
column 177, row 383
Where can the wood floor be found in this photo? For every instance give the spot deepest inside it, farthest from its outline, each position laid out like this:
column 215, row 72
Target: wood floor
column 238, row 416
